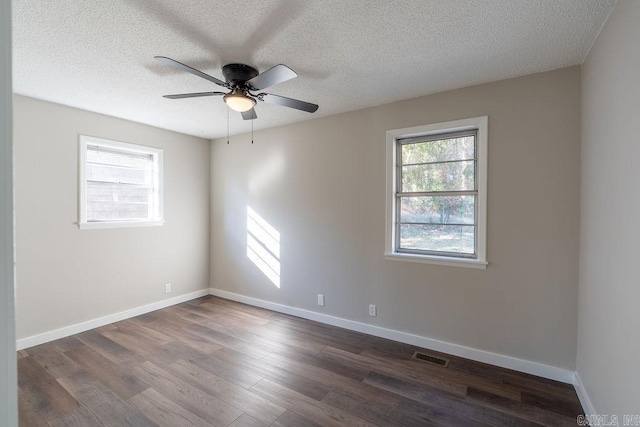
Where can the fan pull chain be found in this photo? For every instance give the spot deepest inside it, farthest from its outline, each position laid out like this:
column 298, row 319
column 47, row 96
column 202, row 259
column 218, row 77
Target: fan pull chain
column 252, row 131
column 227, row 125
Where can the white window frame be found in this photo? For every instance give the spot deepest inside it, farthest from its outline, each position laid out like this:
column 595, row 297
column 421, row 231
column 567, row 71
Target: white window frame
column 480, row 124
column 157, row 154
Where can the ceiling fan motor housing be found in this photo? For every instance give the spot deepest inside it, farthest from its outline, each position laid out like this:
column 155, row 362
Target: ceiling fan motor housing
column 241, row 79
column 238, row 73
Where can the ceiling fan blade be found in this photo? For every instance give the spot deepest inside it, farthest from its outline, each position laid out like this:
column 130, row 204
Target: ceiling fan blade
column 249, row 115
column 274, row 75
column 288, row 102
column 183, row 67
column 192, row 95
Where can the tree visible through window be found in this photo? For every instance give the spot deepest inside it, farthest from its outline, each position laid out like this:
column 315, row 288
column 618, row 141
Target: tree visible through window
column 436, row 195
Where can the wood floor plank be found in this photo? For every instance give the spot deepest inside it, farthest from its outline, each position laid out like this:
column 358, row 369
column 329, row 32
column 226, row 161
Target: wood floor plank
column 233, row 330
column 110, row 349
column 446, row 374
column 102, row 402
column 335, row 382
column 197, row 312
column 264, row 340
column 68, row 343
column 247, row 421
column 225, row 340
column 40, row 393
column 81, row 417
column 568, row 409
column 257, row 311
column 412, row 413
column 364, row 409
column 318, row 412
column 207, row 407
column 519, row 409
column 240, row 315
column 456, row 364
column 408, row 375
column 291, row 419
column 180, row 350
column 311, row 327
column 28, row 413
column 142, row 348
column 164, row 412
column 250, row 403
column 199, row 315
column 430, row 397
column 148, row 317
column 357, row 373
column 285, row 377
column 554, row 390
column 310, row 331
column 173, row 312
column 178, row 332
column 287, row 340
column 149, row 335
column 228, row 371
column 50, row 357
column 119, row 380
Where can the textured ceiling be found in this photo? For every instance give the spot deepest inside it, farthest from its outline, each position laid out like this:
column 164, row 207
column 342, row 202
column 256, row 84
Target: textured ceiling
column 98, row 55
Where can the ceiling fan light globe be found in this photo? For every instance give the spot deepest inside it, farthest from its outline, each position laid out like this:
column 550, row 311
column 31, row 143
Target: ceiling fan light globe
column 239, row 102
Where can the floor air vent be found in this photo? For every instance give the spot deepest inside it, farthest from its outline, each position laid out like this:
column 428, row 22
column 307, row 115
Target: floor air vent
column 431, row 359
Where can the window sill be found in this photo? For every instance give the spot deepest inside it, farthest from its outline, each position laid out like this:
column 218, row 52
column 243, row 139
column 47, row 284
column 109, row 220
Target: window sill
column 429, row 259
column 118, row 224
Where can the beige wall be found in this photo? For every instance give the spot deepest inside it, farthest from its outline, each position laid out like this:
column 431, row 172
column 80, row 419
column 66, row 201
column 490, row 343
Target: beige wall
column 321, row 184
column 608, row 334
column 66, row 275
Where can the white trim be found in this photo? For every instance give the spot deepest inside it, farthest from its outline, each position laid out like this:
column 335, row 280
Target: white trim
column 118, row 224
column 456, row 262
column 482, row 125
column 587, row 406
column 105, row 320
column 158, row 184
column 509, row 362
column 496, row 359
column 8, row 371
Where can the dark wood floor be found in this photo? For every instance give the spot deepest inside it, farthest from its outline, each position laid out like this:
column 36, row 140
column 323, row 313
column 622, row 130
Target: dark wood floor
column 211, row 361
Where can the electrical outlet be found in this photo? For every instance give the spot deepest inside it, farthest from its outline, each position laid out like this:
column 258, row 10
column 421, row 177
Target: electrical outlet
column 321, row 300
column 167, row 288
column 372, row 310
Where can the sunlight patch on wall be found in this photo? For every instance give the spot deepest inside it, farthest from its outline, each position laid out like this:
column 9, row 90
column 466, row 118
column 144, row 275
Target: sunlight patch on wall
column 263, row 246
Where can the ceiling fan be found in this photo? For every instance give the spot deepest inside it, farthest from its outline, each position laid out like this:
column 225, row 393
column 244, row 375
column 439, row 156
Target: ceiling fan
column 242, row 80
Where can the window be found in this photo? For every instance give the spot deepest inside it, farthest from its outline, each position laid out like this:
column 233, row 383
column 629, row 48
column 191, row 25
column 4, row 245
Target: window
column 436, row 193
column 120, row 184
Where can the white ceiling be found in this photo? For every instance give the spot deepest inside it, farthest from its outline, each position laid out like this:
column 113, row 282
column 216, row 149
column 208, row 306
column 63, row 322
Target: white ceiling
column 98, row 55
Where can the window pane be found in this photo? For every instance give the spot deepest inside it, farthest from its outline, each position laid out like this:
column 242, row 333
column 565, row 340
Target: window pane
column 438, row 209
column 439, row 151
column 109, row 173
column 134, row 160
column 117, row 202
column 439, row 238
column 455, row 176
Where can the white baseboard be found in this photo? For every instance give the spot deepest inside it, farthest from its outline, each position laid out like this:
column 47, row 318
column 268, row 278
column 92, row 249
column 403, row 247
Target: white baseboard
column 105, row 320
column 509, row 362
column 587, row 406
column 496, row 359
